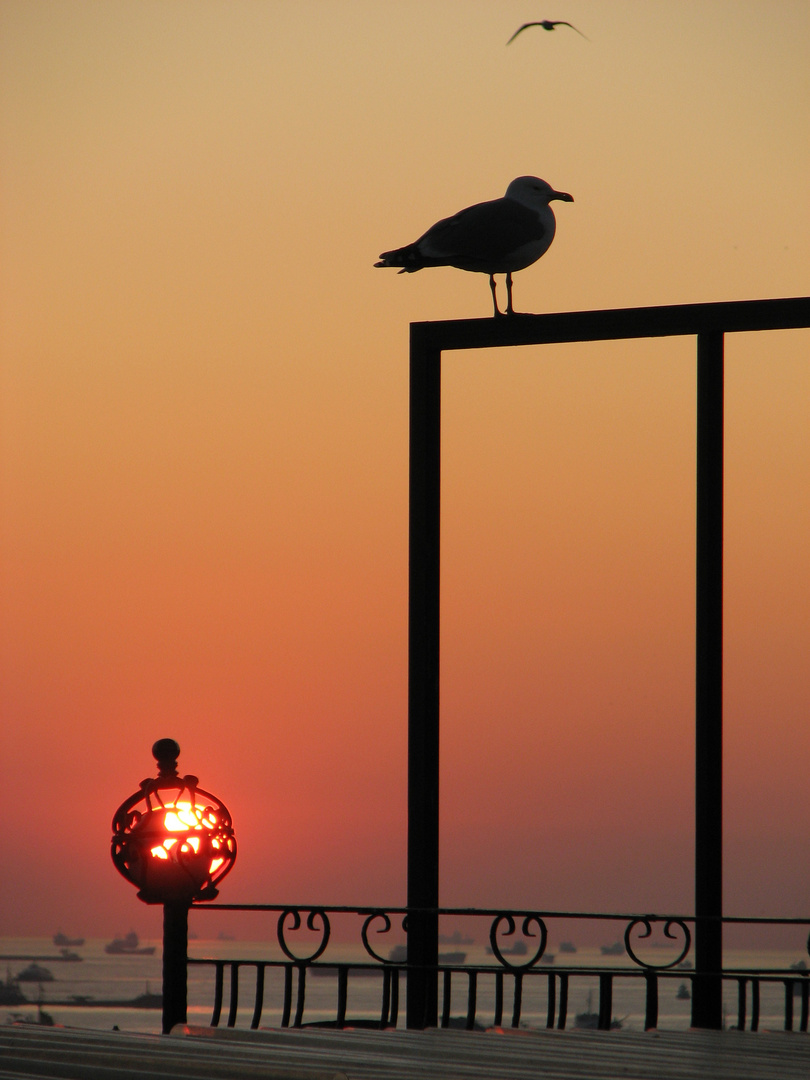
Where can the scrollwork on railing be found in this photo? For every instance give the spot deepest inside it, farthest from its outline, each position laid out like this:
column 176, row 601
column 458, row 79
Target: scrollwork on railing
column 646, row 921
column 528, row 920
column 385, row 929
column 325, row 930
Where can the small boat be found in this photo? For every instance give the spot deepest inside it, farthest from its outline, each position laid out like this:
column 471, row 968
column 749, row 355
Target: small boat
column 589, row 1020
column 456, row 938
column 70, row 956
column 567, row 947
column 399, row 955
column 128, row 946
column 35, row 973
column 147, row 1000
column 683, row 993
column 616, row 949
column 63, row 941
column 520, row 948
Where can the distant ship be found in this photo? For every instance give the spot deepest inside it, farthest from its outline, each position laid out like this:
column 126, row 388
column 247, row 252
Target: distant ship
column 589, row 1020
column 683, row 993
column 63, row 941
column 69, row 955
column 147, row 1000
column 128, row 946
column 568, row 947
column 520, row 948
column 456, row 938
column 399, row 955
column 616, row 949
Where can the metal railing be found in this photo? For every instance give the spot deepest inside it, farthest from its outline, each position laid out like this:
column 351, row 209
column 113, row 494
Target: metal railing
column 654, row 950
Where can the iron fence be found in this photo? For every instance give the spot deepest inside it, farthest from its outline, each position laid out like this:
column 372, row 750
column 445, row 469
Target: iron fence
column 655, row 951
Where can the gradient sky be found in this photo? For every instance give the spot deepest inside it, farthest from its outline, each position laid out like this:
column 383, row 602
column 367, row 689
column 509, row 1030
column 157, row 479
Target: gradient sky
column 203, row 413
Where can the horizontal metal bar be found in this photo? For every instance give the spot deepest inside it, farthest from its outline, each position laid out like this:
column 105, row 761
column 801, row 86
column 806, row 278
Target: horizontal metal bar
column 676, row 320
column 517, row 913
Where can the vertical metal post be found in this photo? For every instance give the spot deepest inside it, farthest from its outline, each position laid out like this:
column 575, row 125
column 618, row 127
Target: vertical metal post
column 175, row 964
column 423, row 683
column 707, row 994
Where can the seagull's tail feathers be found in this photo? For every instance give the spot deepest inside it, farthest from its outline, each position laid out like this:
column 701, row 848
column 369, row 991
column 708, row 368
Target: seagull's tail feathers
column 408, row 258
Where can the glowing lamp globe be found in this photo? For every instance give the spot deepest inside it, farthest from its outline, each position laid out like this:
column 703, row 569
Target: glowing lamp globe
column 171, row 839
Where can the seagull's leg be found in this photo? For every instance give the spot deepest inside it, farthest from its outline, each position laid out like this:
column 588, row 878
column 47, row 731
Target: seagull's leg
column 497, row 311
column 509, row 309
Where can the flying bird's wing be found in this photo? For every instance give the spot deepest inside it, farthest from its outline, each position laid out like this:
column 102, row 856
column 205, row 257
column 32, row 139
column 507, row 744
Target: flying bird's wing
column 520, row 30
column 560, row 22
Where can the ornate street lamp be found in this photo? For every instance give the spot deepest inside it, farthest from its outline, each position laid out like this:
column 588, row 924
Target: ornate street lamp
column 175, row 842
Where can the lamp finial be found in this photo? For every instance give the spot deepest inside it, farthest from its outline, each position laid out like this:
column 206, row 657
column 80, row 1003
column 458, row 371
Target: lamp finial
column 165, row 752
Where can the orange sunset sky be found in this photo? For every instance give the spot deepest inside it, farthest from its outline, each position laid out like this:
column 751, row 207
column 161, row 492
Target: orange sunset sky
column 204, row 408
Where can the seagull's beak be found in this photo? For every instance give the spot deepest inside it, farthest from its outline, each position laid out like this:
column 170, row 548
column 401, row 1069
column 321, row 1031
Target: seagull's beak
column 562, row 195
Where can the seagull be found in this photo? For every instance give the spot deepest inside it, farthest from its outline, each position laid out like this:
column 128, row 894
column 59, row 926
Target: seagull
column 547, row 24
column 497, row 237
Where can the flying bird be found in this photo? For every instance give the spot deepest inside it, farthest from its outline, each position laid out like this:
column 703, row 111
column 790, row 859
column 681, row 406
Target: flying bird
column 497, row 237
column 547, row 24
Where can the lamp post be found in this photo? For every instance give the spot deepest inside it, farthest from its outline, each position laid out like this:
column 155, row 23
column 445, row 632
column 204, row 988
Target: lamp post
column 175, row 842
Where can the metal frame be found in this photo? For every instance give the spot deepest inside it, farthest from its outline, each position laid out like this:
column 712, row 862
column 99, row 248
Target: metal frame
column 708, row 323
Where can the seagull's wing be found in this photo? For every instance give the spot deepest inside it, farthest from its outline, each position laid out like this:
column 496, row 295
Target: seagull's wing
column 561, row 22
column 520, row 30
column 484, row 233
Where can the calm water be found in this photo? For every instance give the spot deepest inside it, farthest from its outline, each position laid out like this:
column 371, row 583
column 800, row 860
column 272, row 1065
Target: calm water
column 100, row 976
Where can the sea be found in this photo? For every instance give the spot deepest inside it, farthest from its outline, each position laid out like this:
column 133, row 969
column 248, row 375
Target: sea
column 76, row 997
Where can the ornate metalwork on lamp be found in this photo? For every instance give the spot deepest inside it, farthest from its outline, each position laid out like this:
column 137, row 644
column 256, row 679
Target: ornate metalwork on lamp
column 172, row 839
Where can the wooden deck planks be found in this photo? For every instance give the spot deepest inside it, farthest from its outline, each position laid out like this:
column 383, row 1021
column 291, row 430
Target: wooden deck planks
column 323, row 1054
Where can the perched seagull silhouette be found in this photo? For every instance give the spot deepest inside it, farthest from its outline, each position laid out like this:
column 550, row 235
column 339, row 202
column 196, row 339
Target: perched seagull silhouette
column 547, row 24
column 497, row 237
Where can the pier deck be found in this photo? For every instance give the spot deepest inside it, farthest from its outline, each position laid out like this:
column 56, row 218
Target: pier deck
column 321, row 1054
